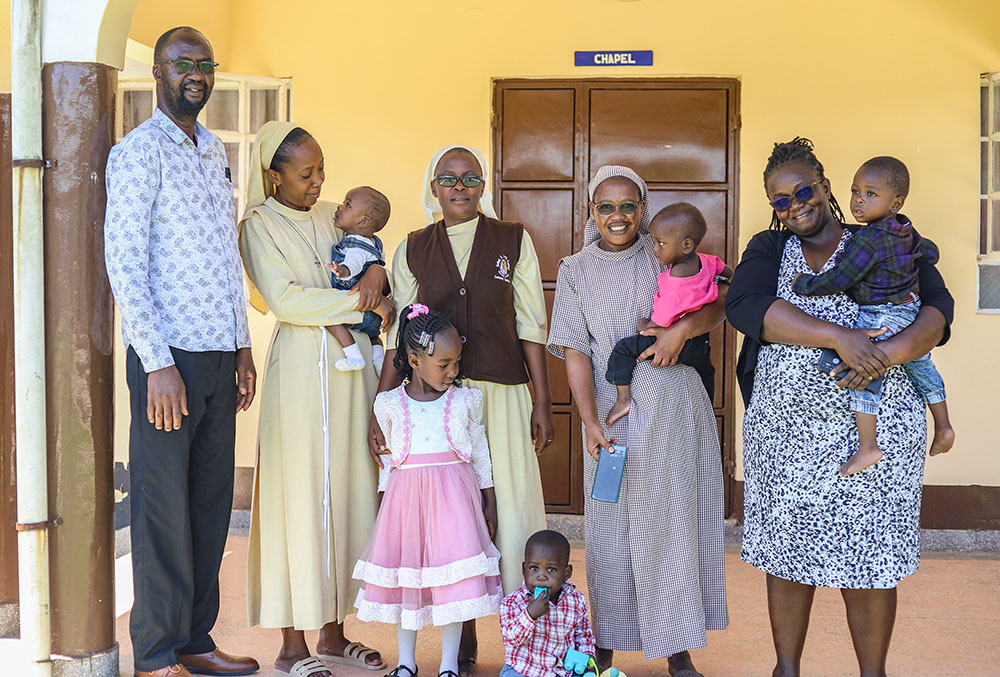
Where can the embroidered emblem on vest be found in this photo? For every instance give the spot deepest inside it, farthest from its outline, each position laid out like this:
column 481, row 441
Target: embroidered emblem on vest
column 503, row 269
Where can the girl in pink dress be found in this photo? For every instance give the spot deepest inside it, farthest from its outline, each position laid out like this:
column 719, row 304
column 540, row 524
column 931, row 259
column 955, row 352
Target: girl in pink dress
column 431, row 560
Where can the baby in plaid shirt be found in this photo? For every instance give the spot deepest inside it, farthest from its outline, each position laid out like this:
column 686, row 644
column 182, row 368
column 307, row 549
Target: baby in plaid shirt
column 537, row 631
column 878, row 269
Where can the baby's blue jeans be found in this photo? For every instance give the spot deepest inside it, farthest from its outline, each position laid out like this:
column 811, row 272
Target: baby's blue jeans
column 921, row 371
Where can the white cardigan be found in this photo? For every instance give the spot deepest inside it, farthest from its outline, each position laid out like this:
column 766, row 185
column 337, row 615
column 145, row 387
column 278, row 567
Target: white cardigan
column 463, row 427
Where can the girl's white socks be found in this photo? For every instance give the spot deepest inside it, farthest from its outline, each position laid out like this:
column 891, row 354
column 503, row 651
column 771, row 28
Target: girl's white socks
column 407, row 642
column 451, row 636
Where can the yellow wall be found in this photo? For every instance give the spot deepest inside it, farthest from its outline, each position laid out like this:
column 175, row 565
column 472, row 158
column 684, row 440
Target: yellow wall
column 382, row 85
column 382, row 89
column 211, row 17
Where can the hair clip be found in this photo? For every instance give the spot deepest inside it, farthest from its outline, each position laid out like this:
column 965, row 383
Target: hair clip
column 417, row 309
column 427, row 341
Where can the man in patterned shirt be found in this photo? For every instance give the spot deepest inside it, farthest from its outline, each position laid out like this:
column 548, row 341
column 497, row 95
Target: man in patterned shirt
column 537, row 631
column 174, row 266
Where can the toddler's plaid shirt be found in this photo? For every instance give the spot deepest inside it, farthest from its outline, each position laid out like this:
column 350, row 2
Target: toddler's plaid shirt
column 536, row 648
column 877, row 266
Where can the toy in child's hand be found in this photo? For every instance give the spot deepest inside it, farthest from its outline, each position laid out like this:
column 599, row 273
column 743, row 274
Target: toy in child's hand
column 539, row 591
column 580, row 663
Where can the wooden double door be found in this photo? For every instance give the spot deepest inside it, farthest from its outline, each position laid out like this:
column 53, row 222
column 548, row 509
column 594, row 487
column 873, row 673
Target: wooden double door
column 681, row 136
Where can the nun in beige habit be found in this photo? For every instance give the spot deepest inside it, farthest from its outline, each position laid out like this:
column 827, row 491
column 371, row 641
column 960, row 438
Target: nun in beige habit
column 314, row 498
column 508, row 408
column 517, row 427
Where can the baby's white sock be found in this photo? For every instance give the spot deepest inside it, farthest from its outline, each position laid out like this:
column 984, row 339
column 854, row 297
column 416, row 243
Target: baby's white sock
column 407, row 642
column 451, row 636
column 352, row 360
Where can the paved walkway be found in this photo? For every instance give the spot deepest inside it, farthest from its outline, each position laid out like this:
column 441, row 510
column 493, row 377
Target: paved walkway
column 948, row 624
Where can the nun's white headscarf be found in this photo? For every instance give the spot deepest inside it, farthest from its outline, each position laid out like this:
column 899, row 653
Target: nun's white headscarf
column 431, row 205
column 590, row 232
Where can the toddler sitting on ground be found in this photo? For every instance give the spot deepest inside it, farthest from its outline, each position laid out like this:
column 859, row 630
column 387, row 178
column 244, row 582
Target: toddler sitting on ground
column 537, row 630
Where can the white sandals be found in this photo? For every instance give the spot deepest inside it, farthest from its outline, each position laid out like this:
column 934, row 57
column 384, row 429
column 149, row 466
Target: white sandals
column 305, row 668
column 355, row 655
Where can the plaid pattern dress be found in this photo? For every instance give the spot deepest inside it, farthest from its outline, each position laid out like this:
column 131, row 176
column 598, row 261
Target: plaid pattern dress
column 655, row 559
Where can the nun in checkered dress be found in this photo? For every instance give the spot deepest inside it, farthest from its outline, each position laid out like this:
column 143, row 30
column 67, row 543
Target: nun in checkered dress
column 655, row 559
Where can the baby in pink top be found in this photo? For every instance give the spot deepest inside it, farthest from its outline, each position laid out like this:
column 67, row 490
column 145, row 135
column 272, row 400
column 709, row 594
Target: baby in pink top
column 690, row 281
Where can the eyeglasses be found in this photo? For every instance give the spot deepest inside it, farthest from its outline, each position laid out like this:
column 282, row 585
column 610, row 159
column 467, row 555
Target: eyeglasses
column 183, row 66
column 608, row 208
column 803, row 194
column 469, row 180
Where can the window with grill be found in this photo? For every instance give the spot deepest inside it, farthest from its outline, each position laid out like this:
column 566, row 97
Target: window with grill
column 988, row 300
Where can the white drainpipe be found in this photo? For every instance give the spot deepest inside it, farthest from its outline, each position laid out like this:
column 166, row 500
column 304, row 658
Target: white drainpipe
column 29, row 337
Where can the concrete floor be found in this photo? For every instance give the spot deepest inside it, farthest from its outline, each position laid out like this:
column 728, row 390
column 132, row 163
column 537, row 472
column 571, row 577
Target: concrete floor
column 948, row 623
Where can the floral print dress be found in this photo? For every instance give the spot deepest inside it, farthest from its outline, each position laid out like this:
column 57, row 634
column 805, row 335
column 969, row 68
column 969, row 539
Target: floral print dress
column 803, row 521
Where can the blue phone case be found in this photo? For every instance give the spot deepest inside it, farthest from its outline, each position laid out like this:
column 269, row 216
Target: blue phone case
column 608, row 478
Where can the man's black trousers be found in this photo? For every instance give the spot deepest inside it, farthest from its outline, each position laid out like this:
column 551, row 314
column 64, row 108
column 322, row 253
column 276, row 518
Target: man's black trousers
column 181, row 498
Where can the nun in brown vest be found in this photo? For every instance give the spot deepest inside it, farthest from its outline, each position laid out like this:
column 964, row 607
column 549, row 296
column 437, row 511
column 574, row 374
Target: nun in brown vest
column 483, row 275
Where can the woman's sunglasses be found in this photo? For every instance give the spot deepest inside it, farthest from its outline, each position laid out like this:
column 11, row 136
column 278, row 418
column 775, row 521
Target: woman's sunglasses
column 469, row 181
column 803, row 194
column 183, row 66
column 608, row 208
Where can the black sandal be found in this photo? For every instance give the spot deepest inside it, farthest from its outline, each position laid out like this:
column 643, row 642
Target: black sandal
column 395, row 671
column 447, row 673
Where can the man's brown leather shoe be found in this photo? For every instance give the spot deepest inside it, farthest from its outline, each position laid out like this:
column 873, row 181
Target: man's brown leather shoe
column 169, row 671
column 219, row 663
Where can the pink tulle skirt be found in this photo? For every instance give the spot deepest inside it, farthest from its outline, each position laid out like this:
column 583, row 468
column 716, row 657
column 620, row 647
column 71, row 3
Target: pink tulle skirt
column 430, row 560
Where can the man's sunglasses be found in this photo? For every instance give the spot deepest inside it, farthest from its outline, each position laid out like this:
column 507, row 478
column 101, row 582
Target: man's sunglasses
column 608, row 208
column 803, row 194
column 183, row 66
column 469, row 181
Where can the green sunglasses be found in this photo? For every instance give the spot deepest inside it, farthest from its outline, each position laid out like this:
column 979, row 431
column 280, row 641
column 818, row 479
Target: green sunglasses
column 469, row 180
column 608, row 208
column 183, row 66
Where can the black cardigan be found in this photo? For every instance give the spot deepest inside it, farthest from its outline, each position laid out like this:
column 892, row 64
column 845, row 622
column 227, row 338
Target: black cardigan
column 755, row 287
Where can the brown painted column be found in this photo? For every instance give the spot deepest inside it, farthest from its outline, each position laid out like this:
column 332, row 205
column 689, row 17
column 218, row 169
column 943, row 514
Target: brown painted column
column 8, row 476
column 78, row 103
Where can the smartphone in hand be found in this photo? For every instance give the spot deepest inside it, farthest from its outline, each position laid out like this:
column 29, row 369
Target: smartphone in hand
column 829, row 360
column 608, row 478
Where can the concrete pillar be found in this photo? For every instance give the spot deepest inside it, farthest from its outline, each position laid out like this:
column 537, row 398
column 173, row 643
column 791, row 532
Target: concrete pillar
column 78, row 104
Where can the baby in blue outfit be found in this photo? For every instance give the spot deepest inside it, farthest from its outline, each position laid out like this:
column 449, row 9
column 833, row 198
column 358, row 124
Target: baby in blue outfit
column 364, row 212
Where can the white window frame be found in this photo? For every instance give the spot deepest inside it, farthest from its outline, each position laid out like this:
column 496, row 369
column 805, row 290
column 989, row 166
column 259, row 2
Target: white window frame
column 244, row 136
column 989, row 182
column 989, row 245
